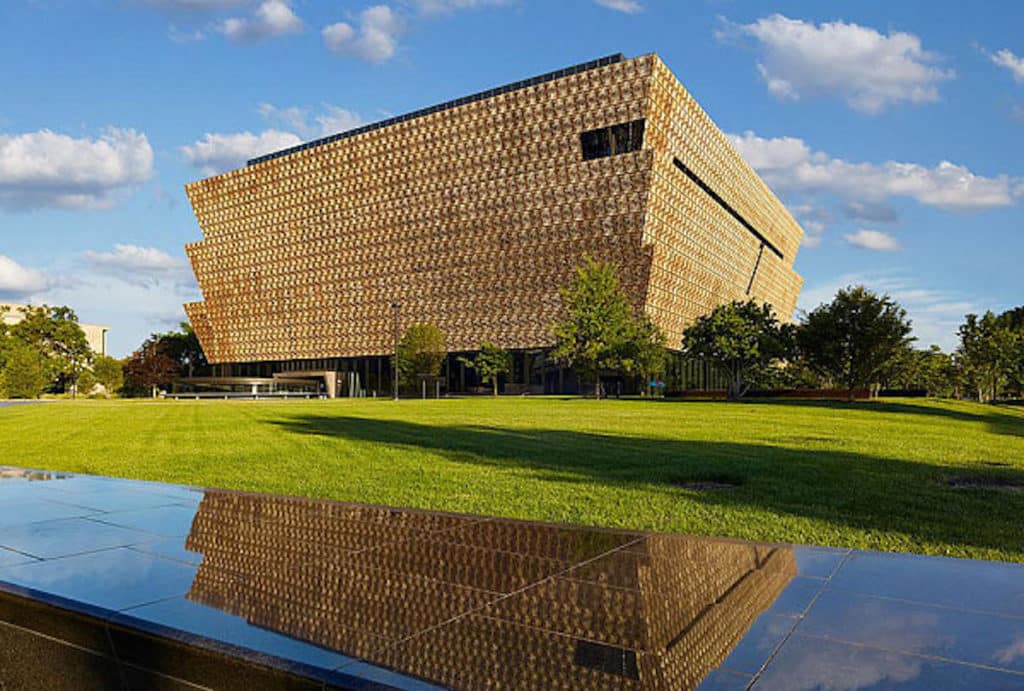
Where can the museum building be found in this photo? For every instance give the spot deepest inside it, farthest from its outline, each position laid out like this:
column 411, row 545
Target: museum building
column 472, row 215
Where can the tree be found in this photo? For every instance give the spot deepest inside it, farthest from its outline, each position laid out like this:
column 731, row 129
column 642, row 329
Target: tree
column 149, row 368
column 936, row 371
column 24, row 374
column 490, row 362
column 1013, row 318
column 54, row 332
column 5, row 342
column 86, row 382
column 1014, row 321
column 597, row 323
column 740, row 339
column 644, row 351
column 911, row 368
column 853, row 338
column 987, row 353
column 109, row 372
column 183, row 347
column 1015, row 367
column 421, row 352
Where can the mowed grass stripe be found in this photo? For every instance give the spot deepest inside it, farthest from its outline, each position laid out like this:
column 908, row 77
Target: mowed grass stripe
column 869, row 475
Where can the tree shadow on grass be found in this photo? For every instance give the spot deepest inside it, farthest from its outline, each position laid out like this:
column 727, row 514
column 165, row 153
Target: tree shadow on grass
column 862, row 492
column 1000, row 419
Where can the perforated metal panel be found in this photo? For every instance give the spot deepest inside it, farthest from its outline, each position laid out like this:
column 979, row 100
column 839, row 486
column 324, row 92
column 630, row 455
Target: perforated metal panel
column 473, row 214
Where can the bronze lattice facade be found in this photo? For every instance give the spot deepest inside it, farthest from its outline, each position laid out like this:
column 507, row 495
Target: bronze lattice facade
column 473, row 214
column 484, row 604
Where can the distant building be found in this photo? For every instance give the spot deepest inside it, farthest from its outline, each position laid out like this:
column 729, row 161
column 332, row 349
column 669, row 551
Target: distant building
column 95, row 335
column 471, row 215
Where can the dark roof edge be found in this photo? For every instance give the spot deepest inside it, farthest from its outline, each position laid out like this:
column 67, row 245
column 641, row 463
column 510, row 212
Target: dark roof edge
column 490, row 93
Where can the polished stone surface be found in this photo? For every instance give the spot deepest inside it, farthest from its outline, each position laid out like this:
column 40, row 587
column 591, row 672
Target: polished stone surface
column 203, row 588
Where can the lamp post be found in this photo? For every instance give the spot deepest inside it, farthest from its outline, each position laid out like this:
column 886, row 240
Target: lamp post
column 396, row 306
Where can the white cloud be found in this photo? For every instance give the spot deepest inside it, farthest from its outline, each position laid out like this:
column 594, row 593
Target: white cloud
column 132, row 305
column 936, row 313
column 1014, row 63
column 139, row 265
column 331, row 120
column 135, row 290
column 789, row 164
column 18, row 281
column 272, row 18
column 216, row 153
column 875, row 212
column 194, row 5
column 376, row 39
column 874, row 240
column 867, row 69
column 295, row 118
column 442, row 6
column 335, row 119
column 44, row 168
column 814, row 220
column 220, row 152
column 627, row 6
column 186, row 35
column 814, row 231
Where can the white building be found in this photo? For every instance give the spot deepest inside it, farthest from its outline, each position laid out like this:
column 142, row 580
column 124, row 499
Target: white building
column 95, row 335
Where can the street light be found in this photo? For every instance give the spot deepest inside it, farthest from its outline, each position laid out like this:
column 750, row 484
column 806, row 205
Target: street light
column 396, row 306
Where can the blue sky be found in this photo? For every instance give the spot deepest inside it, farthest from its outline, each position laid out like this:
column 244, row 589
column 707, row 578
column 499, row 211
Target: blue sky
column 893, row 131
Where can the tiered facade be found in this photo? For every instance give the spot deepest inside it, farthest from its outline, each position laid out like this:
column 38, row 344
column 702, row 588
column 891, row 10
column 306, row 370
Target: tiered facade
column 473, row 214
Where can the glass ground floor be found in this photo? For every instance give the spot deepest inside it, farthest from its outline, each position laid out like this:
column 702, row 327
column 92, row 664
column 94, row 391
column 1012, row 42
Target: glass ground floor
column 533, row 372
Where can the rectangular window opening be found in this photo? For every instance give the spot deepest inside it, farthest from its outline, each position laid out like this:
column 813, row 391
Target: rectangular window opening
column 613, row 140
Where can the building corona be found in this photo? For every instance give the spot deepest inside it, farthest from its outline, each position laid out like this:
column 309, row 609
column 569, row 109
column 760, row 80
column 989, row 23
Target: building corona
column 472, row 215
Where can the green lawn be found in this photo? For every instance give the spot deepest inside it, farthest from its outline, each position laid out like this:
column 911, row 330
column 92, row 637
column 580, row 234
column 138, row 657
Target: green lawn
column 860, row 475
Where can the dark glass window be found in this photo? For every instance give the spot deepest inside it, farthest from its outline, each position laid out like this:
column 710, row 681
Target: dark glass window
column 616, row 139
column 596, row 144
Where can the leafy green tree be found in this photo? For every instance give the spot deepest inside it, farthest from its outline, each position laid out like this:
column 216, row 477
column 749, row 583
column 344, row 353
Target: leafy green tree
column 5, row 340
column 929, row 369
column 149, row 368
column 109, row 372
column 86, row 382
column 25, row 373
column 1013, row 318
column 644, row 351
column 421, row 352
column 937, row 373
column 490, row 363
column 54, row 332
column 741, row 339
column 1014, row 321
column 597, row 323
column 853, row 338
column 183, row 347
column 987, row 353
column 1015, row 368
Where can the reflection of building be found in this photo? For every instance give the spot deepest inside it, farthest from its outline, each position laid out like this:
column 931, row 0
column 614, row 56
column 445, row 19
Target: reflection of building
column 474, row 604
column 95, row 335
column 472, row 215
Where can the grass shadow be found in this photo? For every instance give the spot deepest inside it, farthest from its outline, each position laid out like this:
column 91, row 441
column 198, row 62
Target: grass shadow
column 842, row 488
column 1000, row 418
